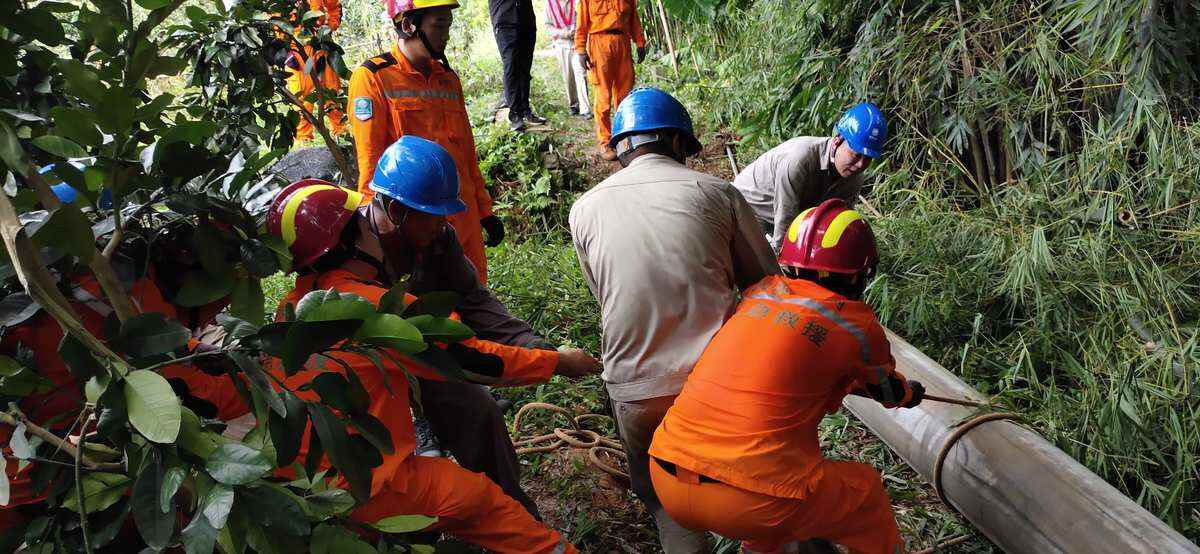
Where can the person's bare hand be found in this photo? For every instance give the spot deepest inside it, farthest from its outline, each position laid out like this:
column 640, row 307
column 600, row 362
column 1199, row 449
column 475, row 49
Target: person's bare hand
column 575, row 363
column 585, row 61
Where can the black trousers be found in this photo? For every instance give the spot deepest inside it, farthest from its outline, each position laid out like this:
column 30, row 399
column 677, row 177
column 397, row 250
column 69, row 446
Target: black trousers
column 469, row 423
column 515, row 28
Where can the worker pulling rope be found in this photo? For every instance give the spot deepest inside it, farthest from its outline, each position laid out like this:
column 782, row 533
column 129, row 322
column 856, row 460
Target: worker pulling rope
column 576, row 436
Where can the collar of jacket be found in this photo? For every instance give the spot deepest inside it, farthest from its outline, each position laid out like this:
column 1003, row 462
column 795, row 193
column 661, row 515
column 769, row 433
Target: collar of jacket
column 646, row 159
column 402, row 63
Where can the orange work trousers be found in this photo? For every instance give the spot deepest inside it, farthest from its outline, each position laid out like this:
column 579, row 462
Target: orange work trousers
column 612, row 73
column 468, row 506
column 302, row 84
column 847, row 506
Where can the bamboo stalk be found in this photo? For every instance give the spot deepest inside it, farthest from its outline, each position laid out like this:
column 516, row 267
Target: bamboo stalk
column 662, row 13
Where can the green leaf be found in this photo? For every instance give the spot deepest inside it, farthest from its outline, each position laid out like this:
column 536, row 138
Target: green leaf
column 275, row 508
column 83, row 81
column 68, row 230
column 393, row 301
column 154, row 410
column 10, row 148
column 441, row 329
column 336, row 441
column 59, row 146
column 151, row 334
column 305, row 338
column 42, row 26
column 404, row 524
column 327, row 504
column 194, row 438
column 193, row 132
column 199, row 537
column 171, row 481
column 439, row 304
column 287, row 430
column 75, row 124
column 236, row 464
column 247, row 301
column 198, row 288
column 95, row 387
column 100, row 491
column 235, row 328
column 259, row 259
column 79, row 358
column 258, row 379
column 334, row 391
column 282, row 254
column 374, row 431
column 155, row 525
column 392, row 331
column 217, row 504
column 329, row 305
column 154, row 4
column 334, row 539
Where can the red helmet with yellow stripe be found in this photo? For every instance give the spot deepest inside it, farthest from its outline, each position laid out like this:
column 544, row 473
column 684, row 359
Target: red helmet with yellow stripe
column 832, row 238
column 400, row 7
column 309, row 216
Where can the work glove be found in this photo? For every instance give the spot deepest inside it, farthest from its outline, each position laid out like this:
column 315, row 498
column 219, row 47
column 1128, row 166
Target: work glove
column 896, row 392
column 494, row 228
column 585, row 61
column 641, row 54
column 576, row 363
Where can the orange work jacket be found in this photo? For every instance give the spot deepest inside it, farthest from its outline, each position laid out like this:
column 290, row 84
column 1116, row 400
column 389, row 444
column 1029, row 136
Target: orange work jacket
column 388, row 99
column 748, row 414
column 607, row 16
column 521, row 366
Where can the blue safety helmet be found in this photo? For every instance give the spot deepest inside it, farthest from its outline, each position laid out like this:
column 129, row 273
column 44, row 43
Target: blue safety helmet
column 648, row 109
column 864, row 128
column 67, row 194
column 419, row 174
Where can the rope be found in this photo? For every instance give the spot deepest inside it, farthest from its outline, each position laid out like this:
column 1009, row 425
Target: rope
column 598, row 447
column 952, row 440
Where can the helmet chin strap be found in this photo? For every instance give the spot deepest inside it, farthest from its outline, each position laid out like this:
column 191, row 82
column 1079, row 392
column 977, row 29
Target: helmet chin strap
column 439, row 55
column 381, row 266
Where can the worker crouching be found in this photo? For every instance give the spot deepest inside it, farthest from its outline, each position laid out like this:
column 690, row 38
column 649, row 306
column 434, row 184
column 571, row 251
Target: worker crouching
column 738, row 453
column 335, row 238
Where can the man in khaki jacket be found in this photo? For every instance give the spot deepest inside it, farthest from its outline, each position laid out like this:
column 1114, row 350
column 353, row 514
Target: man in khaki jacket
column 805, row 171
column 665, row 250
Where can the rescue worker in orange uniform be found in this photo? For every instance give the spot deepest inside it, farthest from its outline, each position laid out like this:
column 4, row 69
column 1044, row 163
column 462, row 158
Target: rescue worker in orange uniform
column 319, row 70
column 602, row 41
column 411, row 90
column 742, row 436
column 337, row 237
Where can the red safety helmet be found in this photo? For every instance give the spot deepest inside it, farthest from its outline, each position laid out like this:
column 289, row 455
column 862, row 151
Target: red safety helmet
column 830, row 237
column 309, row 216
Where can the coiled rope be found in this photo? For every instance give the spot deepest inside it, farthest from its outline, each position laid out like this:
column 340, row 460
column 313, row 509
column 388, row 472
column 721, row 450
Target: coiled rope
column 598, row 447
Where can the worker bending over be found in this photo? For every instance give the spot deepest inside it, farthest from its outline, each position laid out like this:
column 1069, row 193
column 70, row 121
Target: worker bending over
column 309, row 67
column 805, row 171
column 742, row 436
column 336, row 239
column 411, row 90
column 665, row 250
column 602, row 41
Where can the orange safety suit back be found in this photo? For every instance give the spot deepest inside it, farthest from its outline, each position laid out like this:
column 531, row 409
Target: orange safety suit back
column 748, row 414
column 603, row 33
column 521, row 366
column 56, row 408
column 389, row 98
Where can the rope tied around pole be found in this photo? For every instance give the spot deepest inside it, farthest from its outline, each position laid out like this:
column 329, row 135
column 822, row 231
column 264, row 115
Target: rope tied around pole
column 952, row 440
column 598, row 446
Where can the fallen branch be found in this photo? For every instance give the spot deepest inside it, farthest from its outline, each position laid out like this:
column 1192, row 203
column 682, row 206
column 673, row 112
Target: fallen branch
column 15, row 417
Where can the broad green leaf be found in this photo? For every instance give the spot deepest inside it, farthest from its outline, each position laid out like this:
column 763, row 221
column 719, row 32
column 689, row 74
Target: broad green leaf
column 235, row 328
column 199, row 537
column 334, row 539
column 75, row 124
column 275, row 508
column 329, row 503
column 328, row 305
column 154, row 410
column 171, row 481
column 287, row 430
column 68, row 230
column 154, row 4
column 193, row 132
column 100, row 491
column 334, row 391
column 194, row 438
column 282, row 255
column 393, row 301
column 374, row 431
column 392, row 331
column 155, row 525
column 17, row 308
column 41, row 25
column 198, row 288
column 404, row 524
column 441, row 329
column 217, row 504
column 258, row 379
column 83, row 81
column 95, row 387
column 259, row 259
column 59, row 146
column 247, row 300
column 336, row 441
column 438, row 304
column 210, row 247
column 115, row 113
column 10, row 148
column 305, row 338
column 79, row 358
column 152, row 334
column 236, row 464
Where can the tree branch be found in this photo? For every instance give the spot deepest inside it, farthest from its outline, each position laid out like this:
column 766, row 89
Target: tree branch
column 338, row 156
column 15, row 417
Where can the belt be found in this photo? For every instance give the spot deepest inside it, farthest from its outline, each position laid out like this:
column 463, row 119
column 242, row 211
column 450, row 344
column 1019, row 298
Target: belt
column 611, row 32
column 683, row 474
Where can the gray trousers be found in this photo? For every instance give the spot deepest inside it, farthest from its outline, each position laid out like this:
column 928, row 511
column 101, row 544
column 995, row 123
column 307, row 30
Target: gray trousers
column 468, row 423
column 636, row 422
